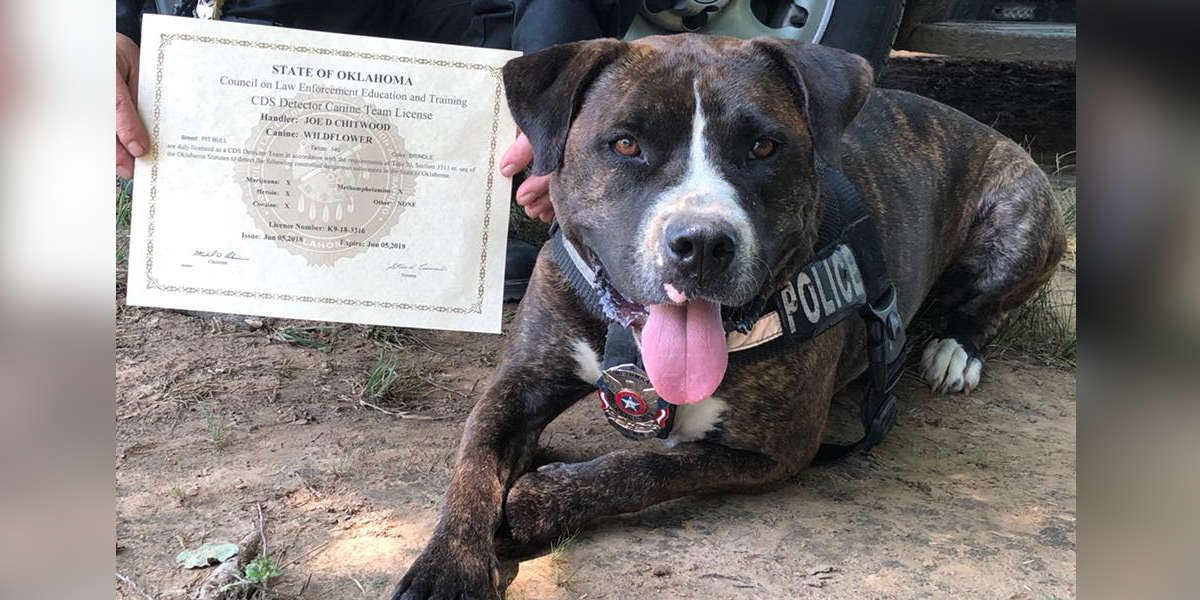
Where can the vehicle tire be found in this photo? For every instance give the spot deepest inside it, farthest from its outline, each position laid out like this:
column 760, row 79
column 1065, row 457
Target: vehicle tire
column 864, row 27
column 867, row 29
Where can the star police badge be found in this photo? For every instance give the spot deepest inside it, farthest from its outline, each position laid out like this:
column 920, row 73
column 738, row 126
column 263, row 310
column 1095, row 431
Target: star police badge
column 631, row 405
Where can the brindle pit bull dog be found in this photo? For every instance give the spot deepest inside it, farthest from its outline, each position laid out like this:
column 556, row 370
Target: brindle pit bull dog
column 685, row 167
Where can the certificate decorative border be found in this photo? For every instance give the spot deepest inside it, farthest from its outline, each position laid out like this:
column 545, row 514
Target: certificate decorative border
column 153, row 283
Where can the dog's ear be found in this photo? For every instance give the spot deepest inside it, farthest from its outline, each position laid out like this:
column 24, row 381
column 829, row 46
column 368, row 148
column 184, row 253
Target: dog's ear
column 545, row 90
column 832, row 85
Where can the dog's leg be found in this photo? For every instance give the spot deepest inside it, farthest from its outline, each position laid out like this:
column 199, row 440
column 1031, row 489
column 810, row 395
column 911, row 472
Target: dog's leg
column 532, row 385
column 1014, row 244
column 558, row 499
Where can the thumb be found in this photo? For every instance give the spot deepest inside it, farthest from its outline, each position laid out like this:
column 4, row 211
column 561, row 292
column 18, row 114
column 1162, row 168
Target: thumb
column 130, row 130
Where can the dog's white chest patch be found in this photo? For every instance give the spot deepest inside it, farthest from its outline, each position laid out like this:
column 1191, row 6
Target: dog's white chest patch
column 694, row 421
column 587, row 362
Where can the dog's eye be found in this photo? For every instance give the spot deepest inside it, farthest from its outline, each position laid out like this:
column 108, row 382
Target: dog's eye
column 626, row 146
column 763, row 148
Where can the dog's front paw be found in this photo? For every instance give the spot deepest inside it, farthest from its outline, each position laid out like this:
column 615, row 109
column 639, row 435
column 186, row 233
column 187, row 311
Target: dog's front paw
column 541, row 509
column 442, row 571
column 947, row 366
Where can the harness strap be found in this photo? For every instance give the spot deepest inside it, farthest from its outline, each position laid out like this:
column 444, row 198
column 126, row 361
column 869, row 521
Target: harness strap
column 886, row 342
column 886, row 352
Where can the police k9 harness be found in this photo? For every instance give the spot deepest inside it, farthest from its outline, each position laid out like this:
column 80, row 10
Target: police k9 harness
column 848, row 276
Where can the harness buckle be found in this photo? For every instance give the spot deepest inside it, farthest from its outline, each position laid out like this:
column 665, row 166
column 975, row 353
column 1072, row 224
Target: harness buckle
column 885, row 328
column 882, row 422
column 885, row 356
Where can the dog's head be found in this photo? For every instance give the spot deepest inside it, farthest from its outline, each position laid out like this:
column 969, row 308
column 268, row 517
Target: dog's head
column 684, row 166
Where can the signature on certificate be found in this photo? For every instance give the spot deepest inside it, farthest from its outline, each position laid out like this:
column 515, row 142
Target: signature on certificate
column 413, row 269
column 218, row 257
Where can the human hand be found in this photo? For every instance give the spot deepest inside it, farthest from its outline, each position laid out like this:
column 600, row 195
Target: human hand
column 534, row 193
column 132, row 139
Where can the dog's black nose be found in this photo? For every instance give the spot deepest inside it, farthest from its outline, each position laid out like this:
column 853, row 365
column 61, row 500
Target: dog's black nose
column 700, row 248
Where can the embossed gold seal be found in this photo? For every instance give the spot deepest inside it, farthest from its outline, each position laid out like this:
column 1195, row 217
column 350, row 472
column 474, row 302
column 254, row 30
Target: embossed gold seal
column 321, row 177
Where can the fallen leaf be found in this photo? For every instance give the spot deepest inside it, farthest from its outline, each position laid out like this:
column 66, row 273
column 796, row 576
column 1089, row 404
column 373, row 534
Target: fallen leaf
column 206, row 555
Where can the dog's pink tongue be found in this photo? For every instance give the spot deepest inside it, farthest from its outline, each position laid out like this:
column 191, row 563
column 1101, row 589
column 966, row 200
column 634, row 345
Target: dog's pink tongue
column 684, row 350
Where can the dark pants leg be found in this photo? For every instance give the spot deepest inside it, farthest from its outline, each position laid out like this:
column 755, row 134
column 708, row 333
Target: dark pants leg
column 441, row 21
column 532, row 25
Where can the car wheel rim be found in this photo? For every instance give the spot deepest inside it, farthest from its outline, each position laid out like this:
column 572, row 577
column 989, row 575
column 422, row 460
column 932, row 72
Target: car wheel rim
column 804, row 20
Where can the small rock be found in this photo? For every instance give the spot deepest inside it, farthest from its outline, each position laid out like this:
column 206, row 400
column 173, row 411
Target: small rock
column 254, row 324
column 661, row 571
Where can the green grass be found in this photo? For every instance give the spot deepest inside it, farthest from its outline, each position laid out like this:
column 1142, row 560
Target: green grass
column 388, row 337
column 1067, row 198
column 381, row 377
column 124, row 214
column 1044, row 328
column 124, row 204
column 262, row 569
column 303, row 336
column 558, row 560
column 255, row 580
column 216, row 424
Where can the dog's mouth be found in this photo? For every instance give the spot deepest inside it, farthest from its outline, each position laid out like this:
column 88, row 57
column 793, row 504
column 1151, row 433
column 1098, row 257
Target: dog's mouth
column 682, row 340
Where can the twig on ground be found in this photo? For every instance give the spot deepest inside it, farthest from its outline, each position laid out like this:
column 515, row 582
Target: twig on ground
column 402, row 415
column 262, row 532
column 304, row 588
column 135, row 587
column 307, row 553
column 360, row 586
column 429, row 380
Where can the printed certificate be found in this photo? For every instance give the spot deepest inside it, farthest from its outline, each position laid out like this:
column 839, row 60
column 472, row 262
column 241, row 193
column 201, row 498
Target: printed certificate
column 320, row 176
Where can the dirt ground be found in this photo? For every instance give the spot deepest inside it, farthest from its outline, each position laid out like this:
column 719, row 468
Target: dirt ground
column 969, row 496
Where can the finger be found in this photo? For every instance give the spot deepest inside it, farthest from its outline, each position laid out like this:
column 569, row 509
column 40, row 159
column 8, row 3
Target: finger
column 548, row 214
column 517, row 157
column 124, row 162
column 538, row 203
column 547, row 210
column 533, row 188
column 130, row 129
column 542, row 209
column 537, row 215
column 532, row 212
